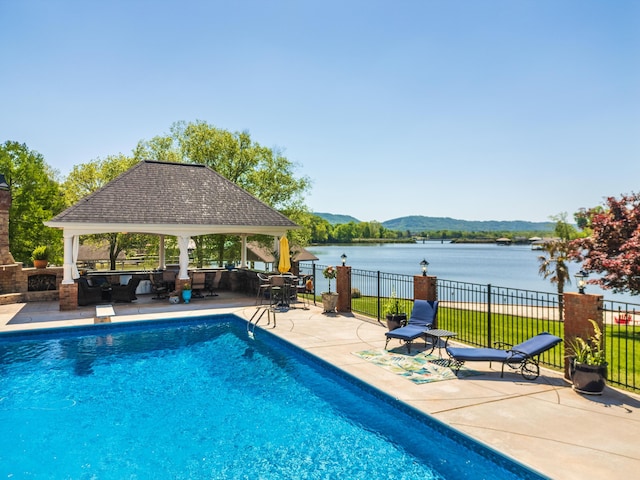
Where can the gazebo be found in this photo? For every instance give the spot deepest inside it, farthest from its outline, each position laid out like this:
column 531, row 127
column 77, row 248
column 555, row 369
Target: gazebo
column 178, row 199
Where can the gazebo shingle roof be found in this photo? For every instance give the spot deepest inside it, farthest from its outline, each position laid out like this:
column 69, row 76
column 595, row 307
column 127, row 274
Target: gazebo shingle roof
column 161, row 197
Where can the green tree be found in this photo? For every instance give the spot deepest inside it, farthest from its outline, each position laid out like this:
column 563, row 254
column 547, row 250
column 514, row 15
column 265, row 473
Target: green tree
column 612, row 244
column 320, row 228
column 344, row 233
column 554, row 263
column 36, row 198
column 264, row 172
column 87, row 178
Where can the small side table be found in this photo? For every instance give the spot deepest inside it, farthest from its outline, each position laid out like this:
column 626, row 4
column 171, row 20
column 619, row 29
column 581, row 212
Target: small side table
column 436, row 334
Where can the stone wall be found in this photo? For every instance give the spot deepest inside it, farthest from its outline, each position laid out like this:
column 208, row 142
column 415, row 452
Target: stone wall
column 14, row 284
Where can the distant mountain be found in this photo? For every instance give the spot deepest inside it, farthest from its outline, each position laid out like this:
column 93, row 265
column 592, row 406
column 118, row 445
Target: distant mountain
column 418, row 223
column 334, row 219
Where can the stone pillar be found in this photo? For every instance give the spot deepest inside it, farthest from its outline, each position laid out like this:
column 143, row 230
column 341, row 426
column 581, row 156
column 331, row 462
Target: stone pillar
column 5, row 204
column 178, row 288
column 425, row 287
column 68, row 296
column 343, row 287
column 578, row 309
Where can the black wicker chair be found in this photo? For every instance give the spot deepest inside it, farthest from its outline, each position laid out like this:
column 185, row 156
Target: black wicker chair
column 161, row 291
column 125, row 293
column 87, row 294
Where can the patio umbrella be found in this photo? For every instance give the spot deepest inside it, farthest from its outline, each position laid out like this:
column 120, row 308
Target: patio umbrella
column 284, row 265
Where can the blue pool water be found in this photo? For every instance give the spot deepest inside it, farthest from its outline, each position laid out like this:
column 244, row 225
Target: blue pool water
column 199, row 399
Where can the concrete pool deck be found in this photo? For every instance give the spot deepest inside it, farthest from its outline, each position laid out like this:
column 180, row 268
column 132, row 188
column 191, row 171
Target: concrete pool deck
column 543, row 424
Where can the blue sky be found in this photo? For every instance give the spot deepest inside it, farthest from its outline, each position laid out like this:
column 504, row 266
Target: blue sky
column 471, row 109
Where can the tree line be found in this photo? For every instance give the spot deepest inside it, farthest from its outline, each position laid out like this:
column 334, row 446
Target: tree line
column 322, row 231
column 607, row 240
column 39, row 192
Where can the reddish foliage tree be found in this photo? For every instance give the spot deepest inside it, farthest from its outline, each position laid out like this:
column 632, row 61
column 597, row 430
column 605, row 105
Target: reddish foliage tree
column 613, row 248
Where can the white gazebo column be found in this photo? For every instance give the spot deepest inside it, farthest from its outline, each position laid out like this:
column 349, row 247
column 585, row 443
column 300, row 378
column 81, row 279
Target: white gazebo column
column 67, row 265
column 68, row 291
column 183, row 244
column 161, row 254
column 243, row 251
column 76, row 251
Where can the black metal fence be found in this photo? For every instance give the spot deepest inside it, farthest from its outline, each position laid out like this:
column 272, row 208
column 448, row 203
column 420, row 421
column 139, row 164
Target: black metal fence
column 622, row 343
column 484, row 314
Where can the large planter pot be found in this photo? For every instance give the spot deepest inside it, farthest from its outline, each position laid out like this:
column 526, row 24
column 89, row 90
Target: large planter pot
column 329, row 301
column 40, row 263
column 396, row 321
column 186, row 295
column 588, row 379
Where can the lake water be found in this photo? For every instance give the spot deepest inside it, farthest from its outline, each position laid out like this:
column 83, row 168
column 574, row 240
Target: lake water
column 513, row 266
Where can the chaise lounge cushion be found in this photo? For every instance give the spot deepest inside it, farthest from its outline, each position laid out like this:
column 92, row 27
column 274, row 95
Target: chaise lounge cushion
column 529, row 348
column 423, row 316
column 522, row 357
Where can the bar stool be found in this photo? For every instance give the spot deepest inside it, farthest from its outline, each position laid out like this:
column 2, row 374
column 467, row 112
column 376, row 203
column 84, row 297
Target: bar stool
column 263, row 286
column 279, row 291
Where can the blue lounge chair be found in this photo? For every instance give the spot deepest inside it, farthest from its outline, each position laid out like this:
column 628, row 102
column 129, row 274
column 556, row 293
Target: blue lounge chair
column 423, row 316
column 523, row 357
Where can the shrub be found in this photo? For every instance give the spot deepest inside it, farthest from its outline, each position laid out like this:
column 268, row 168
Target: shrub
column 41, row 253
column 392, row 306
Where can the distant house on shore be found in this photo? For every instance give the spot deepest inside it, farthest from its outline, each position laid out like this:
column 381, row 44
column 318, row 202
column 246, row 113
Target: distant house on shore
column 503, row 241
column 538, row 243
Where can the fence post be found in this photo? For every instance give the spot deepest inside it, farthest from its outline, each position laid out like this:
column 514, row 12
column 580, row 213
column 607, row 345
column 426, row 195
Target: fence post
column 343, row 287
column 425, row 288
column 378, row 297
column 313, row 273
column 578, row 309
column 489, row 332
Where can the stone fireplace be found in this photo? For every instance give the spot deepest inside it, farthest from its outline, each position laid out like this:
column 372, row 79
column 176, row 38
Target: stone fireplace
column 18, row 284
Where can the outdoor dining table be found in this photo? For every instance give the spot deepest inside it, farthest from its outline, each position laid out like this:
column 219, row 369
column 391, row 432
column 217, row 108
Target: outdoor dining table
column 281, row 289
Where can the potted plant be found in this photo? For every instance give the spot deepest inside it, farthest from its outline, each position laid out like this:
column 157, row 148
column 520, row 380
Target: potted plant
column 329, row 299
column 395, row 318
column 186, row 292
column 587, row 362
column 41, row 256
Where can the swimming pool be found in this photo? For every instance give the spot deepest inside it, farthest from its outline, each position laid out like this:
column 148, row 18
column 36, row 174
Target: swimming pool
column 198, row 398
